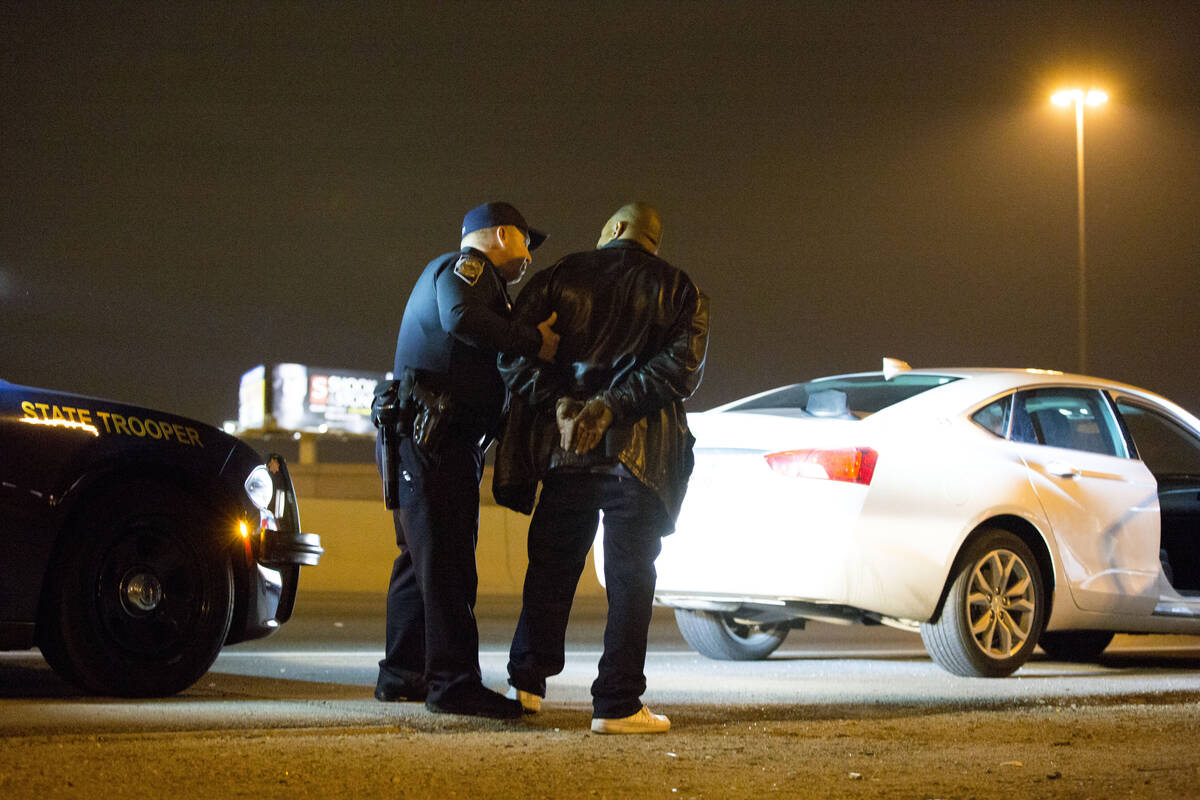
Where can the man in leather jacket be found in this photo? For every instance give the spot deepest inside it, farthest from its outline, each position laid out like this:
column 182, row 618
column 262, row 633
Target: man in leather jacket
column 604, row 429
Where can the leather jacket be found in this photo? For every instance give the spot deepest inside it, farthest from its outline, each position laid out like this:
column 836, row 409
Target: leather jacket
column 634, row 332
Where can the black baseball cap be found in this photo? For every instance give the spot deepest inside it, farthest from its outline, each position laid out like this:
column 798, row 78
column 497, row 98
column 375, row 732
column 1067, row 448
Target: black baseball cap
column 491, row 215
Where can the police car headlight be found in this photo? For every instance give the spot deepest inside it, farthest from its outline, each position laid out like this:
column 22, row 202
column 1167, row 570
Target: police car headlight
column 260, row 487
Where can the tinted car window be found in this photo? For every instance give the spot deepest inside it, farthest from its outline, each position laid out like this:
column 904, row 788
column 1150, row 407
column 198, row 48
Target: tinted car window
column 1166, row 446
column 846, row 398
column 994, row 416
column 1077, row 419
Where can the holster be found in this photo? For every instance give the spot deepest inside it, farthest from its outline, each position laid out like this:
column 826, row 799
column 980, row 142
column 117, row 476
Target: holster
column 434, row 413
column 392, row 411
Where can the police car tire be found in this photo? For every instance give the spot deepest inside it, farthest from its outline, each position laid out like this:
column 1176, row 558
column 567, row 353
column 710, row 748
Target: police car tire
column 716, row 635
column 952, row 641
column 54, row 651
column 111, row 639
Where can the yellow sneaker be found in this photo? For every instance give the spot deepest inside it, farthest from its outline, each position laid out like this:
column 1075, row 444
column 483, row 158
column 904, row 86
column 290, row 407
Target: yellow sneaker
column 530, row 702
column 644, row 721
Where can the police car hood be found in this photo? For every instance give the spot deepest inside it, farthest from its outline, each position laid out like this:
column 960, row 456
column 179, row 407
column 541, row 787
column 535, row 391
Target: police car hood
column 47, row 429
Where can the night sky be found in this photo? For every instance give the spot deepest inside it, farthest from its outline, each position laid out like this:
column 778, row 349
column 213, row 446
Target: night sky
column 190, row 190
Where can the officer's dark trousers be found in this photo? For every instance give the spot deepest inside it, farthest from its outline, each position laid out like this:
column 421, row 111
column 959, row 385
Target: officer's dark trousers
column 432, row 638
column 562, row 530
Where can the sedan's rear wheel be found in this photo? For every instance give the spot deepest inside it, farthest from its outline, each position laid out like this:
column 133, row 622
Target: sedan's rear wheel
column 1080, row 646
column 994, row 612
column 721, row 636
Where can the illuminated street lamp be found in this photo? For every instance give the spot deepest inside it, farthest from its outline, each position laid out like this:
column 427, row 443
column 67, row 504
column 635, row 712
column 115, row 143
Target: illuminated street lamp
column 1079, row 98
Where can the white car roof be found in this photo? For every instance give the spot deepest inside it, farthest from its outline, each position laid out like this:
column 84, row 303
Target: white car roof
column 981, row 383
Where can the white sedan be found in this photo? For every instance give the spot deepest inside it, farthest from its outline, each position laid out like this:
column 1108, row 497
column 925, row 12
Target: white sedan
column 991, row 509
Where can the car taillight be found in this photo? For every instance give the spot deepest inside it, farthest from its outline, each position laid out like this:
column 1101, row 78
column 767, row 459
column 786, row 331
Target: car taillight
column 849, row 464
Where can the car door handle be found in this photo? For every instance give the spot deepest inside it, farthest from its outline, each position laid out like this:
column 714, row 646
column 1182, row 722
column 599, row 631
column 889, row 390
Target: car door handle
column 1060, row 470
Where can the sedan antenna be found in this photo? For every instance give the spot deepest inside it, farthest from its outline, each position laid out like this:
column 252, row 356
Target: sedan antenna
column 893, row 367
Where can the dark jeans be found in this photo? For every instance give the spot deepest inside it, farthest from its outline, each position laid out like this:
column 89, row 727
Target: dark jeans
column 432, row 638
column 563, row 527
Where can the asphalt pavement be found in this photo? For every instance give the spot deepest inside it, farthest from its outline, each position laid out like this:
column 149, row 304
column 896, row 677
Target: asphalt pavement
column 319, row 670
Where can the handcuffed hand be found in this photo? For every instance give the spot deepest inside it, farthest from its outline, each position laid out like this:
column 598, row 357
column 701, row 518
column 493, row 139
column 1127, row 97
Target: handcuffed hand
column 590, row 424
column 549, row 337
column 565, row 412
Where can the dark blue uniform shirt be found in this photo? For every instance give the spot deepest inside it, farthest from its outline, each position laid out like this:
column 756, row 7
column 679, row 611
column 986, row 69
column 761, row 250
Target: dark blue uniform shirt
column 457, row 320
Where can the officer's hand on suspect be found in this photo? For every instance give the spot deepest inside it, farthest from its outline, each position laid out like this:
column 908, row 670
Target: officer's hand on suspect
column 565, row 412
column 549, row 337
column 590, row 424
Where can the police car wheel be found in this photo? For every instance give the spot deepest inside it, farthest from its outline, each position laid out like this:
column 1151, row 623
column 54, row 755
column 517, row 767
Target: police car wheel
column 722, row 637
column 143, row 597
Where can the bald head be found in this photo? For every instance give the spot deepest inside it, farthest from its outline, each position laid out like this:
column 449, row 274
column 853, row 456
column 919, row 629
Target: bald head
column 637, row 221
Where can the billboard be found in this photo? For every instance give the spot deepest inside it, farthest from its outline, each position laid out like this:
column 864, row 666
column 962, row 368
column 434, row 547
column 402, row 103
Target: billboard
column 300, row 398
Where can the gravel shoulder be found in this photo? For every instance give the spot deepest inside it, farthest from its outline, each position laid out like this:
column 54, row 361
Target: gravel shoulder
column 1142, row 748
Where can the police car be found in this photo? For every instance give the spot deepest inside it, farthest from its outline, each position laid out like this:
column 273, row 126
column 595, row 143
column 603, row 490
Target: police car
column 136, row 542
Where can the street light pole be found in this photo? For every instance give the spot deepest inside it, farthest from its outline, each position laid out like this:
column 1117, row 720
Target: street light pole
column 1082, row 241
column 1077, row 97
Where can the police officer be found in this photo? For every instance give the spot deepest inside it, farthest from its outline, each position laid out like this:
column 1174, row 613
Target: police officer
column 457, row 320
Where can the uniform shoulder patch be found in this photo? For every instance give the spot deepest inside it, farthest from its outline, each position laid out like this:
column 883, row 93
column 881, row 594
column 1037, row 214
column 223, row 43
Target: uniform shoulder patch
column 469, row 268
